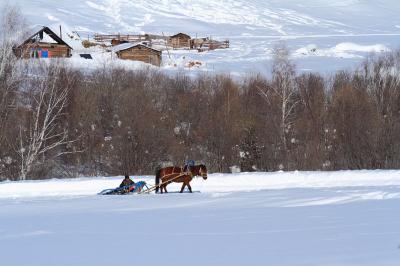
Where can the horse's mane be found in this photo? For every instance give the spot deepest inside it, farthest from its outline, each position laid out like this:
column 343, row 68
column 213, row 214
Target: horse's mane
column 202, row 166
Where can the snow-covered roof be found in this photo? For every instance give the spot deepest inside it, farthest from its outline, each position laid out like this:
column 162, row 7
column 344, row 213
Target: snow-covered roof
column 122, row 46
column 50, row 35
column 125, row 46
column 180, row 34
column 34, row 29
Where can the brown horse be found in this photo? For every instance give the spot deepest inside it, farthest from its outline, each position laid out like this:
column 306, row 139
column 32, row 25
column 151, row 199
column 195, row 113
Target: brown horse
column 178, row 174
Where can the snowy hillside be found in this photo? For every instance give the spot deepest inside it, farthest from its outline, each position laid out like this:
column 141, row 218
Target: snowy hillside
column 286, row 219
column 254, row 17
column 323, row 35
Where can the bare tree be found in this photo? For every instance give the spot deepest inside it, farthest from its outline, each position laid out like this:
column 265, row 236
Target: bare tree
column 12, row 31
column 353, row 120
column 282, row 93
column 11, row 75
column 45, row 132
column 380, row 76
column 310, row 122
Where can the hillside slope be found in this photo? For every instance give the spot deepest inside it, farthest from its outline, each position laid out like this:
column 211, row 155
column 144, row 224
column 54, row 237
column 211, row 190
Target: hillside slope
column 312, row 29
column 254, row 17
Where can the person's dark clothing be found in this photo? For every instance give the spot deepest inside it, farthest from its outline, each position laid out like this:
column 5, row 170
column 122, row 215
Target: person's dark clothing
column 188, row 166
column 126, row 182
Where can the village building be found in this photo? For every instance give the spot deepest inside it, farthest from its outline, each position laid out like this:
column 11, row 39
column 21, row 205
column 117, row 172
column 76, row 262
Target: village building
column 207, row 44
column 179, row 40
column 198, row 42
column 115, row 42
column 43, row 43
column 138, row 52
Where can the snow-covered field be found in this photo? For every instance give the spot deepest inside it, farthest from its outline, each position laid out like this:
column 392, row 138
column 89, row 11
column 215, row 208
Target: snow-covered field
column 322, row 35
column 284, row 218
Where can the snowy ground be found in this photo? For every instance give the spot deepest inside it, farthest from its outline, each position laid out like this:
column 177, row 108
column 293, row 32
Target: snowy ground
column 286, row 218
column 322, row 35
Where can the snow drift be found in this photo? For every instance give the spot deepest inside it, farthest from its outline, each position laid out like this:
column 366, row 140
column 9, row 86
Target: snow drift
column 214, row 184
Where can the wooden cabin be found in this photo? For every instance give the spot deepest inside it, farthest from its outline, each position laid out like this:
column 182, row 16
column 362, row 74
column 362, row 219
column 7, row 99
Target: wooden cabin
column 179, row 40
column 206, row 44
column 138, row 52
column 43, row 43
column 115, row 42
column 198, row 42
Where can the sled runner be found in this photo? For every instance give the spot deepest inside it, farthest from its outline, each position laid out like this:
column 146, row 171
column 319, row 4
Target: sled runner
column 136, row 188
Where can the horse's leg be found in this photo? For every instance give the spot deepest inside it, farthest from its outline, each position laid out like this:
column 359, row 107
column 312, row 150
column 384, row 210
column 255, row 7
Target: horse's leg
column 190, row 188
column 183, row 187
column 165, row 187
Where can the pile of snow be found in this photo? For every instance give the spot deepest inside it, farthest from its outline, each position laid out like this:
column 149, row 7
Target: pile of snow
column 343, row 50
column 348, row 46
column 216, row 183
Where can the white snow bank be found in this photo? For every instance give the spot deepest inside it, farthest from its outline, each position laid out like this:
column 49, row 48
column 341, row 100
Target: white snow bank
column 343, row 50
column 298, row 179
column 348, row 46
column 216, row 183
column 57, row 187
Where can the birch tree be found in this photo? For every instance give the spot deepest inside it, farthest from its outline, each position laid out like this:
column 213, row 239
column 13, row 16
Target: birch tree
column 45, row 131
column 282, row 92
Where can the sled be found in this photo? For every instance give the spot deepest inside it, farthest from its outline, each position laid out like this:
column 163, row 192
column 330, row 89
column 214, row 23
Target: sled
column 136, row 188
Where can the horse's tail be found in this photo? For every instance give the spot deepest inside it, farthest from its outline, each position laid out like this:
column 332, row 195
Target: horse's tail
column 158, row 172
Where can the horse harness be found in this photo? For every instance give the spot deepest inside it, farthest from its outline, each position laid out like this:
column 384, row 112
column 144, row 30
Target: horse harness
column 182, row 172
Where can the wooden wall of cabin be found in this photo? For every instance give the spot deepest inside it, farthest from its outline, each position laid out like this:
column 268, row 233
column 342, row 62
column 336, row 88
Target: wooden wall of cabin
column 54, row 51
column 179, row 42
column 144, row 55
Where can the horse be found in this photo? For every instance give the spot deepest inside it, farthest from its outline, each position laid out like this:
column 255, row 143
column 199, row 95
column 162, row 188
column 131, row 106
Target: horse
column 178, row 174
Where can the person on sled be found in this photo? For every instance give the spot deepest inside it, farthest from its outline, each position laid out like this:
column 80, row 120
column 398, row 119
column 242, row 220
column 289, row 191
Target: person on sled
column 188, row 166
column 127, row 184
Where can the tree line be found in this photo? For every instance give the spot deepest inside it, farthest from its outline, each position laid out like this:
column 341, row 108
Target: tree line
column 59, row 121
